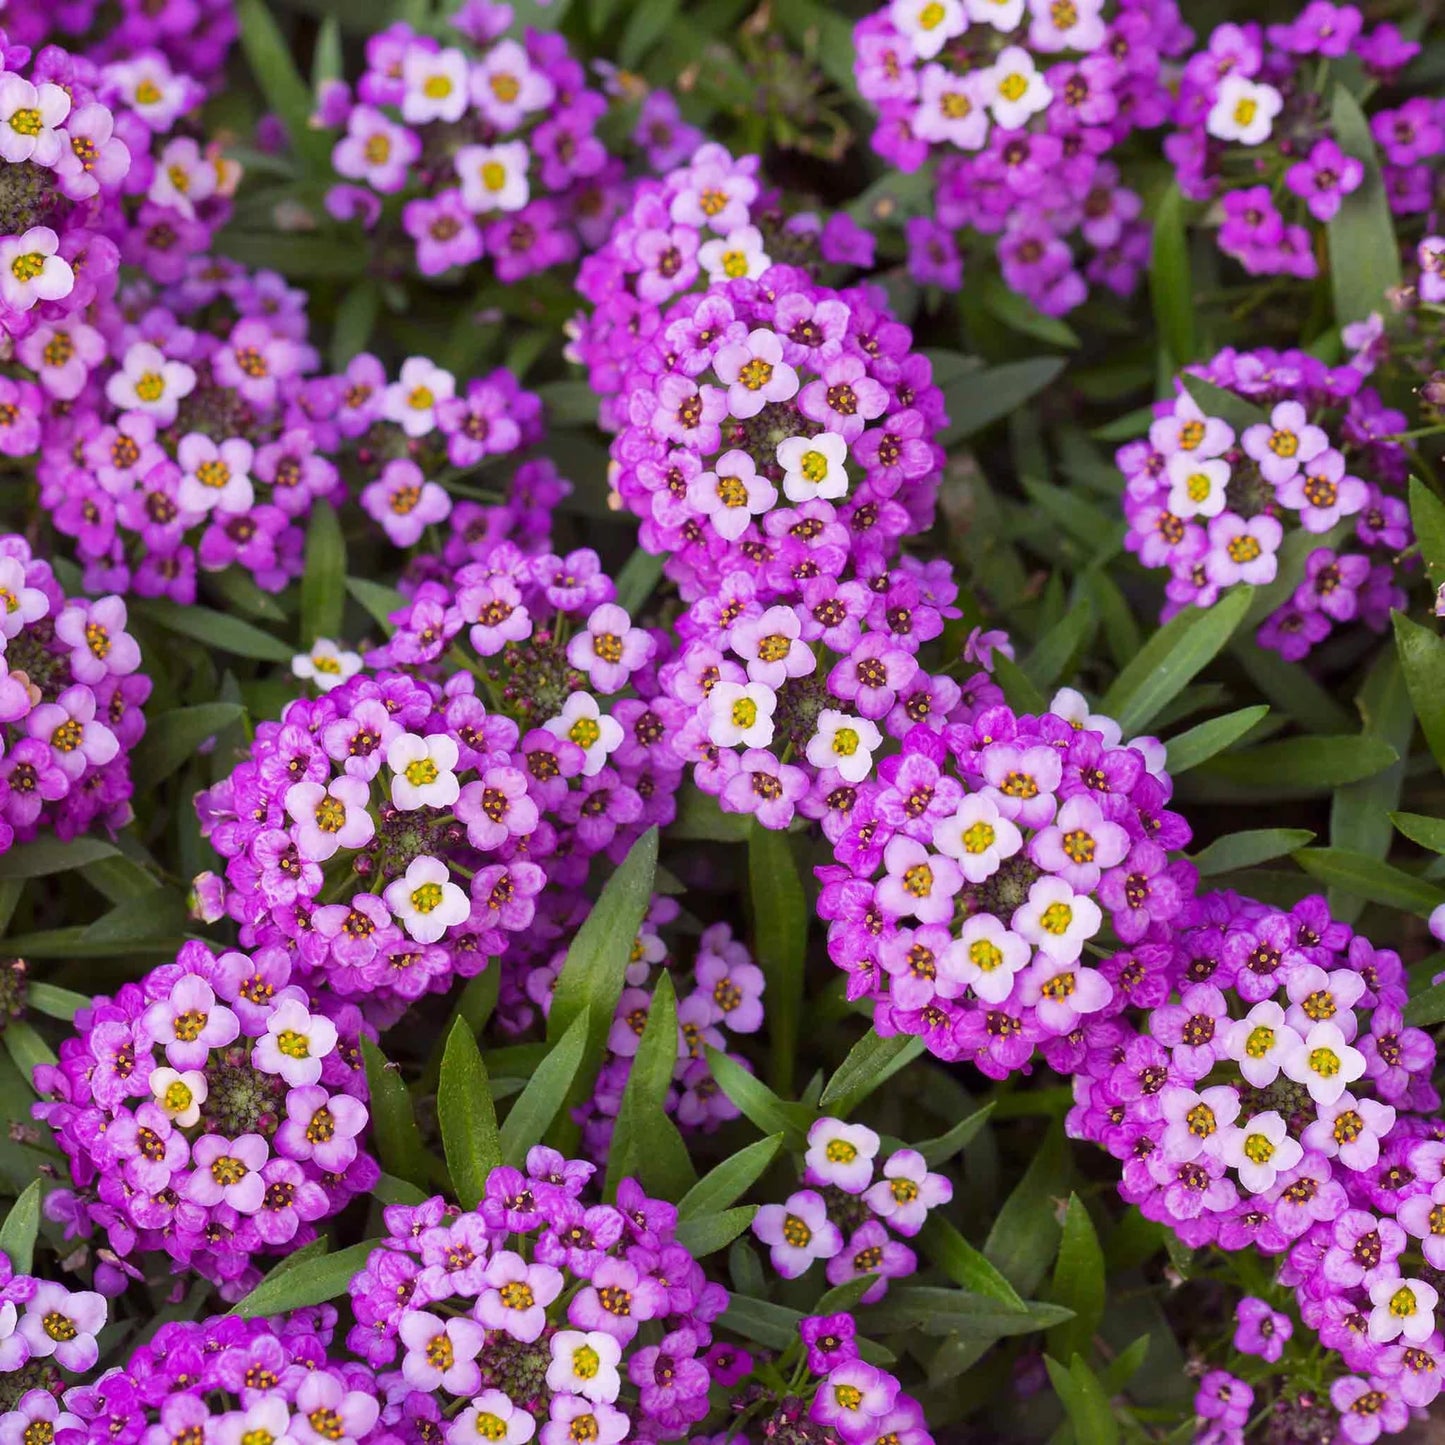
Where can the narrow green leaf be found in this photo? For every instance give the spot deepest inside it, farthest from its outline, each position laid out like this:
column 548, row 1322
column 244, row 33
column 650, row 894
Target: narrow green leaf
column 966, row 1266
column 700, row 820
column 1200, row 743
column 143, row 919
column 1216, row 401
column 1171, row 659
column 1427, row 1008
column 776, row 1327
column 647, row 22
column 467, row 1116
column 22, row 1228
column 215, row 629
column 936, row 1311
column 1427, row 832
column 327, row 64
column 53, row 1002
column 1078, row 1283
column 1364, row 254
column 941, row 1149
column 757, row 1101
column 379, row 601
column 298, row 1282
column 1101, row 534
column 871, row 1062
column 541, row 1101
column 983, row 397
column 44, row 856
column 323, row 583
column 174, row 737
column 705, row 1234
column 398, row 1141
column 1303, row 765
column 639, row 575
column 1019, row 314
column 1171, row 285
column 1125, row 1365
column 1427, row 516
column 1026, row 1231
column 1422, row 656
column 27, row 1049
column 720, row 1187
column 1023, row 696
column 1085, row 1402
column 356, row 315
column 1370, row 879
column 270, row 57
column 1060, row 645
column 780, row 941
column 1244, row 850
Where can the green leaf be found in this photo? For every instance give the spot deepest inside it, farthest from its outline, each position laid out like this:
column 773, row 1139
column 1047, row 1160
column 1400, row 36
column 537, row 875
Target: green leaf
column 1060, row 645
column 1019, row 314
column 269, row 55
column 356, row 315
column 757, row 1101
column 966, row 1266
column 645, row 1141
column 705, row 1234
column 393, row 1123
column 935, row 1311
column 1427, row 832
column 1422, row 655
column 1125, row 1365
column 983, row 397
column 1079, row 1282
column 592, row 977
column 871, row 1062
column 467, row 1116
column 327, row 64
column 173, row 739
column 1102, row 535
column 1427, row 1008
column 1026, row 1230
column 308, row 1277
column 323, row 583
column 1244, row 850
column 716, row 1190
column 541, row 1101
column 22, row 1228
column 27, row 1049
column 1370, row 879
column 647, row 22
column 53, row 1002
column 50, row 855
column 1364, row 254
column 1216, row 401
column 1023, row 696
column 380, row 602
column 941, row 1149
column 215, row 629
column 639, row 575
column 780, row 941
column 776, row 1327
column 1171, row 659
column 1303, row 765
column 1085, row 1402
column 1200, row 743
column 1171, row 285
column 1427, row 516
column 143, row 919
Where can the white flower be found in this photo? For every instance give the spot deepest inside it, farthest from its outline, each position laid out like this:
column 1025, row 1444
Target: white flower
column 813, row 467
column 1073, row 707
column 1323, row 1062
column 1196, row 485
column 732, row 494
column 1015, row 89
column 841, row 1154
column 295, row 1044
column 149, row 381
column 1259, row 1150
column 215, row 478
column 1402, row 1307
column 425, row 901
column 150, row 88
column 1243, row 111
column 423, row 769
column 1066, row 25
column 583, row 722
column 844, row 742
column 585, row 1363
column 739, row 254
column 30, row 271
column 30, row 120
column 494, row 178
column 1056, row 920
column 928, row 24
column 411, row 400
column 179, row 1095
column 978, row 836
column 327, row 665
column 984, row 957
column 741, row 712
column 436, row 85
column 1259, row 1042
column 505, row 86
column 1003, row 15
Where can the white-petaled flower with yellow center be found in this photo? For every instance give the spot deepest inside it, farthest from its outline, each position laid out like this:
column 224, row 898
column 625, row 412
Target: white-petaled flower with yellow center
column 436, row 85
column 741, row 712
column 1243, row 111
column 928, row 24
column 584, row 1362
column 295, row 1044
column 814, row 467
column 31, row 271
column 423, row 771
column 1259, row 1042
column 1323, row 1062
column 1259, row 1150
column 494, row 178
column 149, row 381
column 1056, row 920
column 977, row 836
column 583, row 722
column 737, row 256
column 1003, row 15
column 1015, row 89
column 425, row 901
column 30, row 120
column 1402, row 1307
column 179, row 1095
column 841, row 1154
column 732, row 494
column 411, row 400
column 1197, row 485
column 328, row 665
column 984, row 957
column 1071, row 705
column 844, row 742
column 492, row 1418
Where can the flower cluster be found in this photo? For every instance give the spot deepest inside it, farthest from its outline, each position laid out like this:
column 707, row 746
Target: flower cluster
column 702, row 224
column 61, row 166
column 539, row 1313
column 981, row 863
column 70, row 704
column 1254, row 132
column 224, row 1378
column 1026, row 102
column 845, row 1216
column 44, row 1328
column 485, row 151
column 1211, row 502
column 210, row 1111
column 184, row 433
